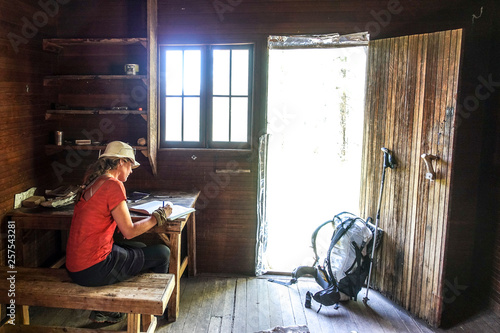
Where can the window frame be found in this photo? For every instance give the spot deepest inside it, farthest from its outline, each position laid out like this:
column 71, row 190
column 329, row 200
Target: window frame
column 206, row 96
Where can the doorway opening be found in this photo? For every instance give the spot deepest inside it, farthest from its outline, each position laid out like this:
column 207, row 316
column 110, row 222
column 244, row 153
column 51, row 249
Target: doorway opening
column 315, row 126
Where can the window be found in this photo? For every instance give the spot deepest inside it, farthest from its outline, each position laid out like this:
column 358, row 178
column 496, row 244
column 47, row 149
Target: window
column 206, row 96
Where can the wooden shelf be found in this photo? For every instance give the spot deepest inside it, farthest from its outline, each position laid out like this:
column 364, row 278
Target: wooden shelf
column 90, row 147
column 52, row 149
column 71, row 112
column 57, row 44
column 52, row 79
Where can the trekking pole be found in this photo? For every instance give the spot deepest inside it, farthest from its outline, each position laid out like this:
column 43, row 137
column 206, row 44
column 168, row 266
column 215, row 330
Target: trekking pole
column 390, row 162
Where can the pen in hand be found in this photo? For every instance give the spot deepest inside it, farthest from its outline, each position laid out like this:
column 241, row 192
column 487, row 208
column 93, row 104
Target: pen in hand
column 168, row 208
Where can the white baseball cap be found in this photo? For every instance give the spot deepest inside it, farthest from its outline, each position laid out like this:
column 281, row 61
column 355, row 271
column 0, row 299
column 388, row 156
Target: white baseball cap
column 121, row 150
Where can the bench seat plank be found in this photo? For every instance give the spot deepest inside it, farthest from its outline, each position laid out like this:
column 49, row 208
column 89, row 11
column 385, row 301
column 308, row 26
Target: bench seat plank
column 51, row 329
column 147, row 293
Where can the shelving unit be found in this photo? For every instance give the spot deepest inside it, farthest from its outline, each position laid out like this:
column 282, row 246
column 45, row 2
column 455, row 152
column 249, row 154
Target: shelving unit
column 94, row 95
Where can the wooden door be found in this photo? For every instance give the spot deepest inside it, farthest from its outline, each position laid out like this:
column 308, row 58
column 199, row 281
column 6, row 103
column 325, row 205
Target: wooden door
column 411, row 104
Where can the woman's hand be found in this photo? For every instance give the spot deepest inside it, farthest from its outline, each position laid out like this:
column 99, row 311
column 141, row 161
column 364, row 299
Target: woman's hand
column 161, row 214
column 168, row 208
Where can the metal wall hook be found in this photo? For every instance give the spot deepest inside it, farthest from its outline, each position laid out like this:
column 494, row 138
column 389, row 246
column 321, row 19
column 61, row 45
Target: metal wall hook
column 431, row 175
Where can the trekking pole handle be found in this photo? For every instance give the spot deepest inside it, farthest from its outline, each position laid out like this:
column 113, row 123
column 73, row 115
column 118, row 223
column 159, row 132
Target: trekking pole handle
column 389, row 160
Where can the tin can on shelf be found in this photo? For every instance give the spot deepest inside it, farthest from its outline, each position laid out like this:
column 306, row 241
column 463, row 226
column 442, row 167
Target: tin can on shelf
column 58, row 138
column 131, row 69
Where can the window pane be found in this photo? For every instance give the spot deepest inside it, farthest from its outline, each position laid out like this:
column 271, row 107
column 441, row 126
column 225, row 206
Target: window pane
column 192, row 72
column 220, row 127
column 239, row 119
column 173, row 118
column 239, row 73
column 192, row 119
column 221, row 72
column 173, row 73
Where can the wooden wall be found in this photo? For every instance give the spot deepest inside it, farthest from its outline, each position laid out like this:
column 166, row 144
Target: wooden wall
column 22, row 107
column 493, row 250
column 226, row 217
column 482, row 118
column 492, row 198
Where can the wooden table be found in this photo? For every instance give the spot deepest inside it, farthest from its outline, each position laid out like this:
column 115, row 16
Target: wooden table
column 170, row 233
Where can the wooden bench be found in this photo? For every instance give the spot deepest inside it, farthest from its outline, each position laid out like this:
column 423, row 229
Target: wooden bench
column 146, row 294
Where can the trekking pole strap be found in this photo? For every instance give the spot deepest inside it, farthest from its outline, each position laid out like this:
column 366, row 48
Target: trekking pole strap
column 289, row 283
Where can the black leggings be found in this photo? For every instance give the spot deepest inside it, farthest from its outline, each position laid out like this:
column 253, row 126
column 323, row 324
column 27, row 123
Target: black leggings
column 156, row 258
column 127, row 259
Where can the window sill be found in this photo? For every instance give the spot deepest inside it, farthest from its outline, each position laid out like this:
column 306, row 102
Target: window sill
column 215, row 150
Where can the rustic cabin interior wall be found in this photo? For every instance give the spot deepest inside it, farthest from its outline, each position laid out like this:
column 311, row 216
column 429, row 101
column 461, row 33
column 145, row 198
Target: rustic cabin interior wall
column 475, row 158
column 491, row 249
column 226, row 214
column 24, row 132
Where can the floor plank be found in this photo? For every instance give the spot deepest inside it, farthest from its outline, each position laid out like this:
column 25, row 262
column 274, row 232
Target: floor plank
column 240, row 309
column 275, row 310
column 221, row 304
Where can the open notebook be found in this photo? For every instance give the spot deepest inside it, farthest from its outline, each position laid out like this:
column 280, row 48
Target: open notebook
column 149, row 207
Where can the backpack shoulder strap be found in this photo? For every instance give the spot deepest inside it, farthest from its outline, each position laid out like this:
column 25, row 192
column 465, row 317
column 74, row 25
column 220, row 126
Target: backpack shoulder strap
column 313, row 240
column 316, row 231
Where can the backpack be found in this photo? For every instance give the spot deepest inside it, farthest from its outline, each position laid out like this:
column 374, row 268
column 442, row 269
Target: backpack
column 343, row 269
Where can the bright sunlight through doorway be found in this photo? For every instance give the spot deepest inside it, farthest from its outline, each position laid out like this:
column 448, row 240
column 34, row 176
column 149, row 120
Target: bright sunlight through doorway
column 315, row 122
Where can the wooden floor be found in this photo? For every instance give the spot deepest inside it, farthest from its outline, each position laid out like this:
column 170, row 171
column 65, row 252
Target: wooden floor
column 250, row 304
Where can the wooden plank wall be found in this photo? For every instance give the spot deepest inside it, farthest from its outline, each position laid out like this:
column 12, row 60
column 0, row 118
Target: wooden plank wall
column 494, row 297
column 411, row 98
column 226, row 207
column 181, row 20
column 22, row 106
column 475, row 171
column 494, row 179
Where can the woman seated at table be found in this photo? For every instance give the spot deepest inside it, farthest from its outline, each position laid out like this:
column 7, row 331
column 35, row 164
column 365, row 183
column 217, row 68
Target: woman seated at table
column 92, row 257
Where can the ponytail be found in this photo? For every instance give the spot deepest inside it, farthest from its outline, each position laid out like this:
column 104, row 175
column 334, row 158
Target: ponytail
column 95, row 170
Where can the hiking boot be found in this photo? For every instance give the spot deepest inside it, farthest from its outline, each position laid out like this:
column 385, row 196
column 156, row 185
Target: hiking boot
column 106, row 317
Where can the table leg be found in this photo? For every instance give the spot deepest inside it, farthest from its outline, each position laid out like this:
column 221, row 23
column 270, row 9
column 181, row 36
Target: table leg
column 133, row 323
column 148, row 323
column 20, row 247
column 22, row 314
column 191, row 244
column 174, row 268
